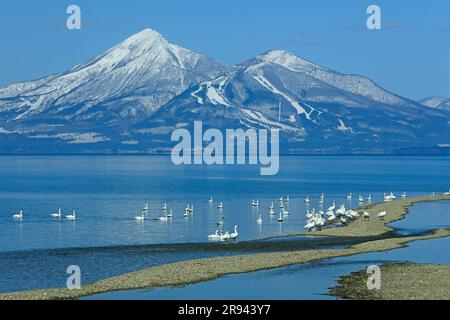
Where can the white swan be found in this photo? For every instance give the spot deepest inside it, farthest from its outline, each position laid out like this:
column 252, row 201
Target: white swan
column 307, row 200
column 281, row 204
column 272, row 209
column 186, row 213
column 285, row 212
column 366, row 215
column 220, row 206
column 322, row 199
column 341, row 210
column 18, row 216
column 349, row 197
column 447, row 193
column 332, row 207
column 164, row 218
column 141, row 217
column 225, row 236
column 170, row 214
column 280, row 219
column 215, row 236
column 164, row 207
column 210, row 200
column 72, row 216
column 260, row 220
column 382, row 214
column 369, row 198
column 235, row 234
column 403, row 195
column 146, row 207
column 57, row 214
column 255, row 203
column 361, row 198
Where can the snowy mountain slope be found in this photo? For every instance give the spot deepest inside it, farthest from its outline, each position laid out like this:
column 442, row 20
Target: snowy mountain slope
column 436, row 102
column 130, row 99
column 129, row 81
column 317, row 109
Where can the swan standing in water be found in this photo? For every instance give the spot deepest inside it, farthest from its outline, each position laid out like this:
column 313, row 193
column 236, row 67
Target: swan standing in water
column 164, row 207
column 57, row 214
column 18, row 216
column 225, row 236
column 280, row 219
column 447, row 193
column 349, row 197
column 210, row 200
column 72, row 216
column 403, row 195
column 146, row 207
column 322, row 199
column 220, row 206
column 307, row 200
column 361, row 199
column 332, row 207
column 186, row 213
column 141, row 217
column 215, row 236
column 260, row 220
column 369, row 198
column 170, row 214
column 255, row 203
column 272, row 209
column 235, row 234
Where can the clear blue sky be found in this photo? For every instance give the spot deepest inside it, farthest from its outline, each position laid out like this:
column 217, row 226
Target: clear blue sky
column 410, row 56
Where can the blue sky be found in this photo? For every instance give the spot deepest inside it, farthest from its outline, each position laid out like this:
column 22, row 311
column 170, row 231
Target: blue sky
column 410, row 56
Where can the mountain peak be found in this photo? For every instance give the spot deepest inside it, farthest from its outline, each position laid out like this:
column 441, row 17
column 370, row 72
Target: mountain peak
column 288, row 60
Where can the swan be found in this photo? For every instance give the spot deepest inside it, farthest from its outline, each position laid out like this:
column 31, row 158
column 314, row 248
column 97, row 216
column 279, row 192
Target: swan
column 366, row 215
column 322, row 199
column 361, row 198
column 310, row 225
column 281, row 199
column 72, row 216
column 281, row 204
column 447, row 193
column 170, row 215
column 343, row 221
column 210, row 200
column 271, row 209
column 310, row 214
column 287, row 198
column 369, row 198
column 164, row 207
column 141, row 217
column 307, row 200
column 403, row 195
column 332, row 207
column 220, row 206
column 186, row 213
column 18, row 216
column 285, row 212
column 146, row 207
column 341, row 210
column 280, row 219
column 331, row 217
column 215, row 236
column 225, row 236
column 255, row 203
column 57, row 214
column 353, row 213
column 382, row 214
column 190, row 209
column 260, row 220
column 349, row 197
column 235, row 234
column 164, row 218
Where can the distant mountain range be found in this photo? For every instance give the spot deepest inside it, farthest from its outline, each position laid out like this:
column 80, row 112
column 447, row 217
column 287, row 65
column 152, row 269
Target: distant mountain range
column 130, row 99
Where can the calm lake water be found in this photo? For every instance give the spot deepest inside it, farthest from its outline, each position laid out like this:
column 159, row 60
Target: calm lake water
column 313, row 280
column 108, row 191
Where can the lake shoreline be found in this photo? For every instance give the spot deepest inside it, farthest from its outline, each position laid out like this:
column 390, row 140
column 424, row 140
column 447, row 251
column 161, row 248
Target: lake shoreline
column 193, row 271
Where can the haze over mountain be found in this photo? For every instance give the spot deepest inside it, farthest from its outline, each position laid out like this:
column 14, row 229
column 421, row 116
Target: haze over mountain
column 130, row 99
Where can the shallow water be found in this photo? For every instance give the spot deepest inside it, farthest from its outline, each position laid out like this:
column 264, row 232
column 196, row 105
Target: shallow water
column 313, row 280
column 108, row 191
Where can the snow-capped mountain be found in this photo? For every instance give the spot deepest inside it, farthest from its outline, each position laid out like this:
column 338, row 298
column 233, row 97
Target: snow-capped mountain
column 317, row 109
column 128, row 82
column 436, row 102
column 130, row 99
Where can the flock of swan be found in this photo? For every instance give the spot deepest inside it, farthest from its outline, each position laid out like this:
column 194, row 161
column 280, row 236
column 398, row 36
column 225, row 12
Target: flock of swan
column 315, row 220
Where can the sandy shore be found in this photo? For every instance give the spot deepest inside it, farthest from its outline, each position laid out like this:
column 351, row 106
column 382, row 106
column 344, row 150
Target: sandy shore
column 399, row 282
column 193, row 271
